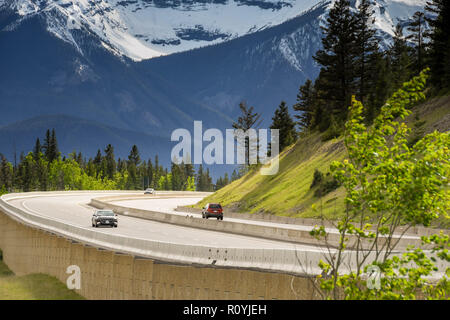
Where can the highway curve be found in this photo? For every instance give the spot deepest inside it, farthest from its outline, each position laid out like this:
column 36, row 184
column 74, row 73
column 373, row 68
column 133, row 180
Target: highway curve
column 73, row 208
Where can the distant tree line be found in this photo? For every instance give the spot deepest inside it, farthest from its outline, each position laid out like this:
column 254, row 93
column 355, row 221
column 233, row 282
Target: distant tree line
column 44, row 169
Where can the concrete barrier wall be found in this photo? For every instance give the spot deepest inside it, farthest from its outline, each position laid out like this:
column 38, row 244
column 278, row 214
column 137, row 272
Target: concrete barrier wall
column 416, row 230
column 109, row 275
column 247, row 229
column 284, row 260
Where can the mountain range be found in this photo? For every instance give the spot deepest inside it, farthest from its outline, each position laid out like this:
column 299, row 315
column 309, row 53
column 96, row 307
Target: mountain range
column 146, row 67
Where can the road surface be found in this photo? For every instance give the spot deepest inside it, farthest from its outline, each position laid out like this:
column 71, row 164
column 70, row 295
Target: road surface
column 74, row 209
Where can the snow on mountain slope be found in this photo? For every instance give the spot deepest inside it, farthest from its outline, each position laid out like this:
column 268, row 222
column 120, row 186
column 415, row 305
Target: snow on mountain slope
column 388, row 13
column 63, row 16
column 142, row 29
column 171, row 26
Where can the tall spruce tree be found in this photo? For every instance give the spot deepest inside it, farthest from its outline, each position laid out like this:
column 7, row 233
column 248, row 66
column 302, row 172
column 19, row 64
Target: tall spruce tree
column 157, row 171
column 150, row 173
column 134, row 159
column 439, row 42
column 110, row 162
column 6, row 174
column 201, row 184
column 37, row 150
column 54, row 145
column 177, row 177
column 97, row 162
column 208, row 181
column 247, row 120
column 400, row 59
column 305, row 105
column 366, row 50
column 234, row 175
column 382, row 88
column 283, row 121
column 337, row 58
column 134, row 156
column 51, row 146
column 417, row 29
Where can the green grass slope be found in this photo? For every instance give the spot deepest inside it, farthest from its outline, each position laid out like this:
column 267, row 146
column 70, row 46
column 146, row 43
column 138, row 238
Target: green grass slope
column 288, row 193
column 32, row 287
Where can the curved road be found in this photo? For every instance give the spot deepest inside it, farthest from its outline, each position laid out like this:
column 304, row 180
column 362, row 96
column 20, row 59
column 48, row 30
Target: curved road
column 169, row 206
column 74, row 209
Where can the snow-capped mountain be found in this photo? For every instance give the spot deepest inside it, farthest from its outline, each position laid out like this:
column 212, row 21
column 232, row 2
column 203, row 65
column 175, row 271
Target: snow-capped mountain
column 142, row 29
column 82, row 65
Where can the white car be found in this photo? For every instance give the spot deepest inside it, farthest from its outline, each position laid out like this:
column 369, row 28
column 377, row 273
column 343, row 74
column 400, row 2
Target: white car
column 149, row 191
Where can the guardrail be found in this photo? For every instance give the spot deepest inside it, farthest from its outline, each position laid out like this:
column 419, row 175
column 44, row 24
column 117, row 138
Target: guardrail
column 247, row 229
column 267, row 217
column 292, row 261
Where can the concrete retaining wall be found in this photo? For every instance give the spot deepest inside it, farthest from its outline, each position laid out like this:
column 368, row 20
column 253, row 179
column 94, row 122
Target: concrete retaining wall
column 283, row 260
column 109, row 275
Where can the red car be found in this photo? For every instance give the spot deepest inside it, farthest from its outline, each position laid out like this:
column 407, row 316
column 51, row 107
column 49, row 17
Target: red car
column 212, row 210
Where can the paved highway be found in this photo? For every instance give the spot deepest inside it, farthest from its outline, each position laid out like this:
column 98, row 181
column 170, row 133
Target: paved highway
column 169, row 206
column 73, row 209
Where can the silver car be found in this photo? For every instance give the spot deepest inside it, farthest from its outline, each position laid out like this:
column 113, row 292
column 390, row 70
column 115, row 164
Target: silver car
column 104, row 218
column 149, row 191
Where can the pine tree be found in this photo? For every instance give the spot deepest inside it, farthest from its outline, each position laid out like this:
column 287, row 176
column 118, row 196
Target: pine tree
column 305, row 105
column 157, row 171
column 400, row 60
column 283, row 121
column 188, row 167
column 200, row 179
column 439, row 42
column 55, row 154
column 337, row 58
column 121, row 165
column 51, row 146
column 97, row 162
column 80, row 160
column 417, row 29
column 46, row 147
column 382, row 88
column 110, row 162
column 37, row 149
column 248, row 119
column 133, row 181
column 150, row 173
column 6, row 174
column 177, row 179
column 208, row 181
column 366, row 50
column 234, row 175
column 134, row 156
column 226, row 180
column 90, row 168
column 134, row 177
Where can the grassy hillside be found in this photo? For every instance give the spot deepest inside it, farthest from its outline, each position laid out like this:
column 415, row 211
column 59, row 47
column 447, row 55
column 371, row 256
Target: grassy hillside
column 32, row 287
column 288, row 193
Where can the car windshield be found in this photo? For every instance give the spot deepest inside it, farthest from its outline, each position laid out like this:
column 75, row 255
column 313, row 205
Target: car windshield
column 215, row 206
column 106, row 213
